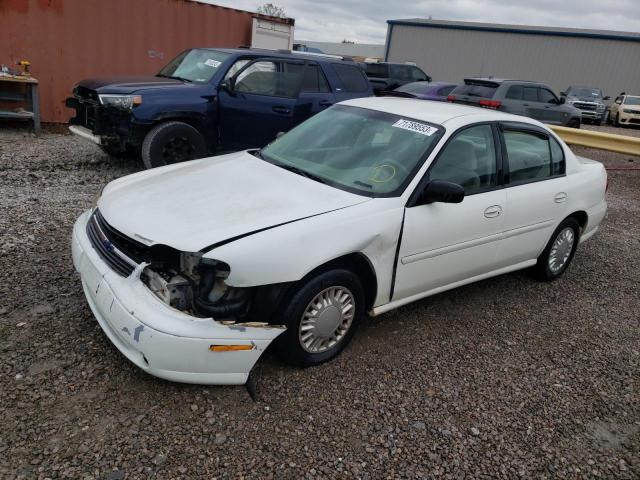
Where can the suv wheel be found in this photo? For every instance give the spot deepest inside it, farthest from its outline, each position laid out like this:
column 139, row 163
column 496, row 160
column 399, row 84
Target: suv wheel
column 321, row 318
column 558, row 253
column 574, row 123
column 172, row 142
column 616, row 122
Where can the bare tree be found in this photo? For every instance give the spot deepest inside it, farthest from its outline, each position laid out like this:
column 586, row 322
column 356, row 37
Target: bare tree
column 271, row 10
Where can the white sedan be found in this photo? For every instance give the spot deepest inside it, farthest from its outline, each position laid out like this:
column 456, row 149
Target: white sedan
column 193, row 269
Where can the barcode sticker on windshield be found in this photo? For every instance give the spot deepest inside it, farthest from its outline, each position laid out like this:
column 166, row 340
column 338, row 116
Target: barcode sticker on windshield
column 416, row 127
column 212, row 63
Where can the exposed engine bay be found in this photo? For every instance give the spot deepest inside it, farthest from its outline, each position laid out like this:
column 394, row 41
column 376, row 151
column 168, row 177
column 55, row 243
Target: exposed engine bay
column 196, row 285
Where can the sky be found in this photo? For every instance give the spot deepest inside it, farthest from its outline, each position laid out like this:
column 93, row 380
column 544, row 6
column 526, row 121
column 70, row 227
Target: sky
column 364, row 21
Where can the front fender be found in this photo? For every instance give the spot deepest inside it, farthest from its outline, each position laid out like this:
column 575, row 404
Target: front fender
column 288, row 252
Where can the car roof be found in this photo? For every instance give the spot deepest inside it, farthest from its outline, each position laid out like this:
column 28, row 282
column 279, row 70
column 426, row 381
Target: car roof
column 263, row 52
column 502, row 80
column 433, row 112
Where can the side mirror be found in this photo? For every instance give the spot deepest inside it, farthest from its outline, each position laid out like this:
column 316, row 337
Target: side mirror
column 607, row 98
column 441, row 191
column 228, row 85
column 562, row 100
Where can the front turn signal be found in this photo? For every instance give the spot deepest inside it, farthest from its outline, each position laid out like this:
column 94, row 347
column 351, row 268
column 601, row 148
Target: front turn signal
column 230, row 348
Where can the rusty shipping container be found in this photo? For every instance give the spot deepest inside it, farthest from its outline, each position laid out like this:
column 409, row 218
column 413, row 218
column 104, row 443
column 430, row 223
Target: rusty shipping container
column 68, row 40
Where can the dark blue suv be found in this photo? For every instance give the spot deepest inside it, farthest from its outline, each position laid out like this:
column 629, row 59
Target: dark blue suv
column 208, row 101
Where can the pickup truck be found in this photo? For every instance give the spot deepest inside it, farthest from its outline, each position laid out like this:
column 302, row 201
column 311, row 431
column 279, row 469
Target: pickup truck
column 386, row 76
column 590, row 102
column 208, row 101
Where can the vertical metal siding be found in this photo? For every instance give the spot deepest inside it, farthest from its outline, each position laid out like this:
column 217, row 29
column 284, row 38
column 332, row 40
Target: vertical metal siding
column 68, row 40
column 558, row 61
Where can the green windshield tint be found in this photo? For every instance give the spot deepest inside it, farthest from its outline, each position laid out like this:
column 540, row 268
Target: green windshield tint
column 364, row 151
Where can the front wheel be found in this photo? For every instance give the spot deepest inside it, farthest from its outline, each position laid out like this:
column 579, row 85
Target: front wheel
column 172, row 142
column 574, row 123
column 321, row 318
column 616, row 122
column 559, row 252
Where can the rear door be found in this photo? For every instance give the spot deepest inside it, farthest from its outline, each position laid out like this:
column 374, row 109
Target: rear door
column 536, row 191
column 316, row 94
column 259, row 102
column 530, row 102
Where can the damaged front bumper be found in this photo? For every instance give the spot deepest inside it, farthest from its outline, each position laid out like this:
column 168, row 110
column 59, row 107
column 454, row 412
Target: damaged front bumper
column 160, row 340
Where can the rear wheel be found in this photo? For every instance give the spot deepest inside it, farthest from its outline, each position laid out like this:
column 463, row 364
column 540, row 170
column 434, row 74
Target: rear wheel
column 559, row 252
column 321, row 318
column 172, row 142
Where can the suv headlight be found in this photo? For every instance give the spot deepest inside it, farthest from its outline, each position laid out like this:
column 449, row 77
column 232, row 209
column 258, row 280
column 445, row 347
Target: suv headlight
column 124, row 102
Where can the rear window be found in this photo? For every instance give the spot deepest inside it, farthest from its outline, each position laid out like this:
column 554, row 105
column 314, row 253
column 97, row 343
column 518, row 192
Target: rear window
column 476, row 90
column 352, row 78
column 376, row 70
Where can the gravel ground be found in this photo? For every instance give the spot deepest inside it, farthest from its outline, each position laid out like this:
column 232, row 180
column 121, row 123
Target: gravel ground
column 504, row 378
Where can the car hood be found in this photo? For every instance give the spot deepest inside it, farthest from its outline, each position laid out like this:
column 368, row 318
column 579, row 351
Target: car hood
column 195, row 205
column 586, row 99
column 128, row 84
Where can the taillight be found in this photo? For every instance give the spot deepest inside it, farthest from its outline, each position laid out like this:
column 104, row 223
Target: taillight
column 450, row 98
column 490, row 103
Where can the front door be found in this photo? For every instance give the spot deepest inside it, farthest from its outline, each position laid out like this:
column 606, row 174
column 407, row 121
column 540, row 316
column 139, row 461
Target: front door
column 554, row 113
column 447, row 243
column 259, row 103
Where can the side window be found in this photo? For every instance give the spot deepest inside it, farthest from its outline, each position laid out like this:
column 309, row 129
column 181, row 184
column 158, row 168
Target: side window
column 314, row 80
column 401, row 72
column 529, row 156
column 270, row 78
column 530, row 94
column 468, row 159
column 353, row 78
column 417, row 75
column 545, row 96
column 236, row 67
column 443, row 92
column 514, row 92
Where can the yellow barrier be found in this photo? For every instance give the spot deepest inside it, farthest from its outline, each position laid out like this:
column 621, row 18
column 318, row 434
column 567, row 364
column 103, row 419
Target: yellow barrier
column 599, row 140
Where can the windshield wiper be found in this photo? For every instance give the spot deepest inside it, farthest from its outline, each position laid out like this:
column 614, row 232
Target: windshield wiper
column 362, row 184
column 298, row 171
column 174, row 77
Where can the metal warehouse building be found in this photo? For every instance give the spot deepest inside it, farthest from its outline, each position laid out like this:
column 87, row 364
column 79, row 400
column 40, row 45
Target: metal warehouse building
column 560, row 57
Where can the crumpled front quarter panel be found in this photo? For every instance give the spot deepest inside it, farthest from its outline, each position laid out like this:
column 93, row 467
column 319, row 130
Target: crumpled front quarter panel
column 289, row 252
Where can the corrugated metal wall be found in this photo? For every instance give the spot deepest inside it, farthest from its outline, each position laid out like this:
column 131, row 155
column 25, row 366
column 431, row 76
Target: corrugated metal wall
column 453, row 55
column 68, row 40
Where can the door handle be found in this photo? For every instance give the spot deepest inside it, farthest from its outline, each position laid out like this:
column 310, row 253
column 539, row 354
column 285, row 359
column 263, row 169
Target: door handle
column 560, row 197
column 280, row 109
column 493, row 211
column 325, row 103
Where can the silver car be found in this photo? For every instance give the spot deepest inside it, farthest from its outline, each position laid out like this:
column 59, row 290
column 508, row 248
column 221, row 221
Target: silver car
column 520, row 97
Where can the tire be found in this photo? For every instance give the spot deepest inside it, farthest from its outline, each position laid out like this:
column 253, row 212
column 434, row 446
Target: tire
column 289, row 346
column 574, row 123
column 172, row 142
column 597, row 123
column 616, row 122
column 544, row 269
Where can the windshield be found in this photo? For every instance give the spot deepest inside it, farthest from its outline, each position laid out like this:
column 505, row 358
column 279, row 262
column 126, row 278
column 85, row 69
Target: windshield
column 197, row 65
column 632, row 100
column 414, row 87
column 585, row 92
column 364, row 151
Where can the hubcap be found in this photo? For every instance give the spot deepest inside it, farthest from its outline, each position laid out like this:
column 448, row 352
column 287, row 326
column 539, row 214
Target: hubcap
column 177, row 149
column 561, row 249
column 326, row 320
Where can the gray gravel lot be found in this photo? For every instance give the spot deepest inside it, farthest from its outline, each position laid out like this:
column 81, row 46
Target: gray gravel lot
column 505, row 378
